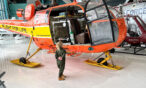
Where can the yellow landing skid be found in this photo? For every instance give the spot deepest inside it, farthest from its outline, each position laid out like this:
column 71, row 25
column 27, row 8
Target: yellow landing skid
column 28, row 64
column 110, row 66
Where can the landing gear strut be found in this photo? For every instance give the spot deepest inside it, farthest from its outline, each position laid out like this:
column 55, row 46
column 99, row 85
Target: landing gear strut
column 24, row 61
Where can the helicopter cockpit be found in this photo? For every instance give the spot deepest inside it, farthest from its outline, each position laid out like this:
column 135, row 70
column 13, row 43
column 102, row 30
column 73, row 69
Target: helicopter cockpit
column 133, row 28
column 70, row 26
column 78, row 27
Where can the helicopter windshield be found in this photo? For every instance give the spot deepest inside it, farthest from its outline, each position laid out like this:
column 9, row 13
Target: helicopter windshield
column 102, row 28
column 133, row 29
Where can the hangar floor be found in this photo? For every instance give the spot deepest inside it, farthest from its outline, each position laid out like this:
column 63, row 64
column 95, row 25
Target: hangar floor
column 79, row 74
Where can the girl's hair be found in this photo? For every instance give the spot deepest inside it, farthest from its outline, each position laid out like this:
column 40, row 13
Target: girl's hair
column 59, row 45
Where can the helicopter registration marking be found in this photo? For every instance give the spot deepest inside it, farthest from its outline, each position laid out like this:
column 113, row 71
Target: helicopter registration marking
column 40, row 31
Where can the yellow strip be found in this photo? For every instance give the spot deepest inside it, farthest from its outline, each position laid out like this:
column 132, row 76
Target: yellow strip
column 43, row 31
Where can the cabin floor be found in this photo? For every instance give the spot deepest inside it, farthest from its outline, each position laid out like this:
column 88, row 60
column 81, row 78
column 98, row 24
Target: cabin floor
column 79, row 74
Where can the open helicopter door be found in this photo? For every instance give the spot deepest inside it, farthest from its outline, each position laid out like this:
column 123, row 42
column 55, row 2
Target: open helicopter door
column 99, row 21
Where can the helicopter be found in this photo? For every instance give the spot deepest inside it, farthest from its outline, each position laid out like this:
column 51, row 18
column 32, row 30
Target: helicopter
column 84, row 27
column 136, row 34
column 133, row 12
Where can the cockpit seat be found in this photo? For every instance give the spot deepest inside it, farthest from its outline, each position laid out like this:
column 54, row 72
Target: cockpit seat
column 82, row 38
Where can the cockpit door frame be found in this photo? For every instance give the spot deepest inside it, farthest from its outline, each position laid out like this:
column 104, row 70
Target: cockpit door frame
column 109, row 16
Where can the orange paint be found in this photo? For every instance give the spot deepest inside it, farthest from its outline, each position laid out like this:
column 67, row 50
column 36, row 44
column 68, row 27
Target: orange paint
column 19, row 12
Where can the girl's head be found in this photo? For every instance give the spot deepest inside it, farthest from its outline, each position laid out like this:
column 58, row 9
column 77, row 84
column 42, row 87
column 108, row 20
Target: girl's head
column 59, row 45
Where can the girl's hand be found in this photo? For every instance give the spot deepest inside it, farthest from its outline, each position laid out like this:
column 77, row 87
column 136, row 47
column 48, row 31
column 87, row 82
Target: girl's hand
column 59, row 58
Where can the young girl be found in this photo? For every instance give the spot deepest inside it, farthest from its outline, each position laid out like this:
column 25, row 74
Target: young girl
column 60, row 58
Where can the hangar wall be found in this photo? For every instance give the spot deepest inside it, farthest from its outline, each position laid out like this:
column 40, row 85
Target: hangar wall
column 3, row 9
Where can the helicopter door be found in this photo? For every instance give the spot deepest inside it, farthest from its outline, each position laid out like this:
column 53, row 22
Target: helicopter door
column 60, row 31
column 99, row 21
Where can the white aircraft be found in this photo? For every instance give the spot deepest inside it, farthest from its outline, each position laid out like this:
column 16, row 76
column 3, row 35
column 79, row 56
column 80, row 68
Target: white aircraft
column 136, row 8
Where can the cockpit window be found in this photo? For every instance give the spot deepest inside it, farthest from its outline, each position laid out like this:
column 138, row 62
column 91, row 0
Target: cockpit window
column 102, row 29
column 133, row 29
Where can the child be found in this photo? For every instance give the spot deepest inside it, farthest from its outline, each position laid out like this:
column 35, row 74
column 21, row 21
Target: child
column 60, row 58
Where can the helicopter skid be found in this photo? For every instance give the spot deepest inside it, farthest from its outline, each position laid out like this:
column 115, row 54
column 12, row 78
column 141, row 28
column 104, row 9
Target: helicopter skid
column 28, row 64
column 109, row 66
